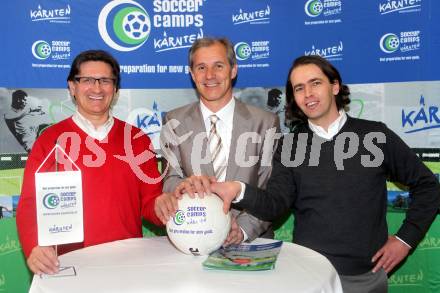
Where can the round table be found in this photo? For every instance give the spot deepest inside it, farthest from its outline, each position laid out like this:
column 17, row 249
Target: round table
column 154, row 265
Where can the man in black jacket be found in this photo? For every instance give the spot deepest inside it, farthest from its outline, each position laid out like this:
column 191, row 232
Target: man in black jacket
column 332, row 172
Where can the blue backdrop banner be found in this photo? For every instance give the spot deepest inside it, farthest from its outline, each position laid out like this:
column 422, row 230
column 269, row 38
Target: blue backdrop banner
column 369, row 41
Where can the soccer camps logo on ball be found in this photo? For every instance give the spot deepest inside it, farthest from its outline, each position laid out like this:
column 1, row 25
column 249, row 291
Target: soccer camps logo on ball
column 41, row 49
column 199, row 226
column 124, row 25
column 389, row 43
column 179, row 218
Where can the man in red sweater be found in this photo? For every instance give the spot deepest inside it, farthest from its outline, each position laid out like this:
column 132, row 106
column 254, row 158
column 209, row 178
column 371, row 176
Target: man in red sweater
column 120, row 180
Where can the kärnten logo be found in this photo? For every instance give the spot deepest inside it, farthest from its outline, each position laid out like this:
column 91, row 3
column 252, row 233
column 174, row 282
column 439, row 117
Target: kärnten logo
column 41, row 49
column 56, row 15
column 124, row 25
column 333, row 53
column 424, row 118
column 51, row 201
column 149, row 121
column 400, row 6
column 261, row 16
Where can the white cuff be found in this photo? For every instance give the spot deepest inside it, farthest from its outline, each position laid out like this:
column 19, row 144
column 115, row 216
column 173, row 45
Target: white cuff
column 403, row 241
column 240, row 196
column 245, row 237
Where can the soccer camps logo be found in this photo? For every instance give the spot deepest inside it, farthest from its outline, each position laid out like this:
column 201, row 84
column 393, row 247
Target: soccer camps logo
column 313, row 8
column 51, row 201
column 179, row 218
column 51, row 50
column 403, row 41
column 41, row 49
column 389, row 43
column 252, row 51
column 242, row 51
column 124, row 25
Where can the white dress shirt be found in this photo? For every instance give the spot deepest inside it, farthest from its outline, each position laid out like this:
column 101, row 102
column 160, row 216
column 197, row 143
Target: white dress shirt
column 99, row 132
column 333, row 128
column 224, row 126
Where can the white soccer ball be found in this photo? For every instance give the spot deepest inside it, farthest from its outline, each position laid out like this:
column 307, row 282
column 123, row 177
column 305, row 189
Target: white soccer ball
column 199, row 226
column 136, row 25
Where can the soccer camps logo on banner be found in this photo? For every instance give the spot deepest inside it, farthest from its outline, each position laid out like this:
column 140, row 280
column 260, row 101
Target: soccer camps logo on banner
column 389, row 43
column 323, row 11
column 252, row 52
column 400, row 45
column 178, row 23
column 124, row 25
column 50, row 54
column 242, row 51
column 41, row 50
column 56, row 50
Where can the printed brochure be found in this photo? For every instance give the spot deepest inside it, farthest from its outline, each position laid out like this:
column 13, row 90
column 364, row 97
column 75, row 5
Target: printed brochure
column 245, row 257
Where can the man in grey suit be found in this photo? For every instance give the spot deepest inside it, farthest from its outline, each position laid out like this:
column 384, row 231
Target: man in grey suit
column 247, row 134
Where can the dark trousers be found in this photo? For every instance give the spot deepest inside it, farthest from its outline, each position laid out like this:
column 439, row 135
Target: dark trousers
column 365, row 283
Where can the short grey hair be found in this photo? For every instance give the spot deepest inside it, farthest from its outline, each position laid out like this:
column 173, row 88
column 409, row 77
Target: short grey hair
column 209, row 41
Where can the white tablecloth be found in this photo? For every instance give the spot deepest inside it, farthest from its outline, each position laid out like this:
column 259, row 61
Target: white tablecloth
column 154, row 265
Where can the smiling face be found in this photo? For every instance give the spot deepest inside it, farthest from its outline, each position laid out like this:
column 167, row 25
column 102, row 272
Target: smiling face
column 93, row 101
column 213, row 75
column 315, row 94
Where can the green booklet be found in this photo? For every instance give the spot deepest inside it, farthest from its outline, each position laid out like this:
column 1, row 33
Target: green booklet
column 245, row 257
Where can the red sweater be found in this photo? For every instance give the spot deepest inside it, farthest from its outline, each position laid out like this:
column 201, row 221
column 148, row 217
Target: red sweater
column 114, row 196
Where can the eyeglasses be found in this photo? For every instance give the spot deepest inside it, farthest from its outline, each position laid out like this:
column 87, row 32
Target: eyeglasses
column 90, row 81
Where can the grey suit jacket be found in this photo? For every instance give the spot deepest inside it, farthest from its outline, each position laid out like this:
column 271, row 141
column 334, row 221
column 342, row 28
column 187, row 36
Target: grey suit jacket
column 184, row 146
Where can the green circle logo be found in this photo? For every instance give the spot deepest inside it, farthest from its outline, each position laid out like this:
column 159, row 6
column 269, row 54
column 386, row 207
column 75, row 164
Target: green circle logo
column 132, row 25
column 313, row 8
column 41, row 49
column 179, row 217
column 51, row 201
column 124, row 25
column 389, row 43
column 242, row 51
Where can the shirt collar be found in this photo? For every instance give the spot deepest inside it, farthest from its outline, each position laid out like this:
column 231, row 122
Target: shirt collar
column 333, row 128
column 225, row 114
column 98, row 133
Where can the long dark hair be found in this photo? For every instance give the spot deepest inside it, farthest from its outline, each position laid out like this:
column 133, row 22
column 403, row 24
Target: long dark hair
column 293, row 112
